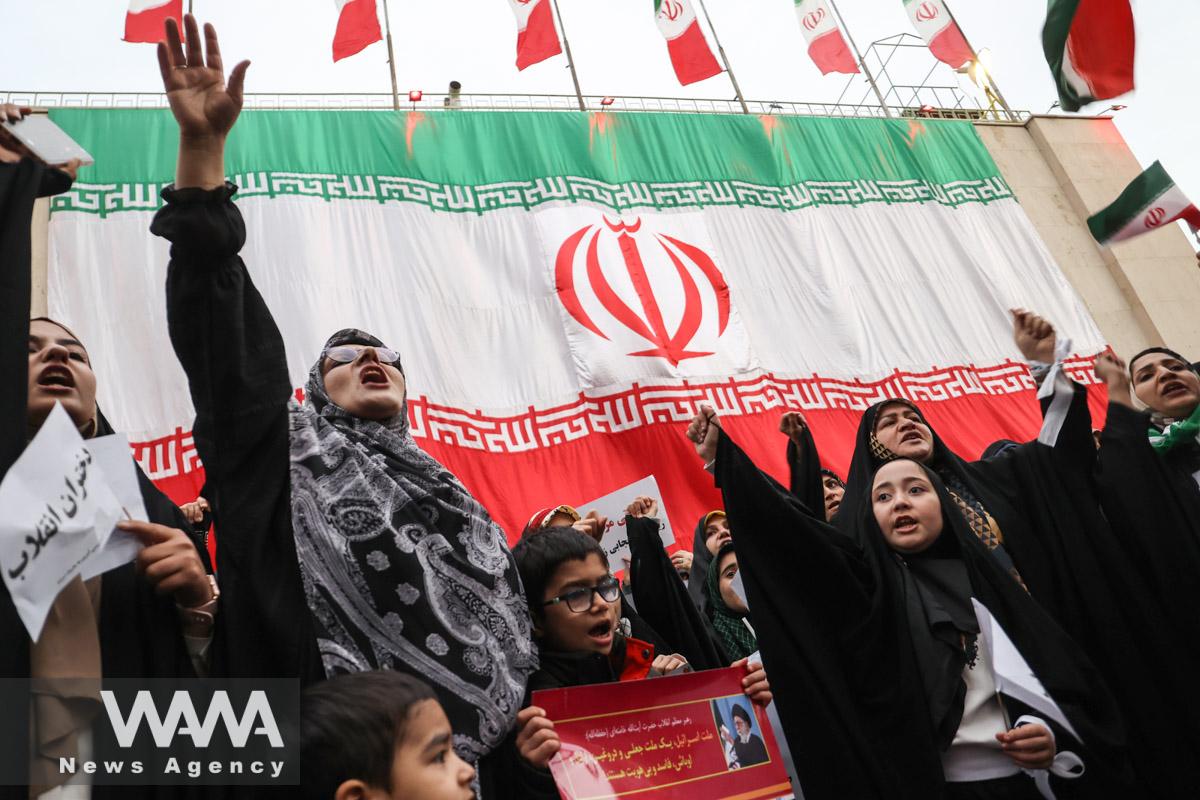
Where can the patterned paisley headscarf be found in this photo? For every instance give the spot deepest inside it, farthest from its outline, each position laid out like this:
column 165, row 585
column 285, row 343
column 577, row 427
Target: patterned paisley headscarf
column 403, row 569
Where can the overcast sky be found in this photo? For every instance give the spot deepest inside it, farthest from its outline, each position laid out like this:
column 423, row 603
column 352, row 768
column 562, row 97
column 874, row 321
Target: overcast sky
column 61, row 45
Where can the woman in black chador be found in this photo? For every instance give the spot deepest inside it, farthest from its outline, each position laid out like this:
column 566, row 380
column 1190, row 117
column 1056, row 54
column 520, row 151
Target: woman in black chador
column 344, row 546
column 124, row 623
column 891, row 690
column 1036, row 509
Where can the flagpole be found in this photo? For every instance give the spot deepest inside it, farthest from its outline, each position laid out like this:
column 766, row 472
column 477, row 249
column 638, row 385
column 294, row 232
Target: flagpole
column 975, row 55
column 387, row 25
column 570, row 59
column 887, row 112
column 737, row 90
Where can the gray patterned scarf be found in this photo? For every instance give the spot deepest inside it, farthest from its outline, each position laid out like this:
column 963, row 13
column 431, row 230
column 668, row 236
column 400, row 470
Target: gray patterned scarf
column 403, row 569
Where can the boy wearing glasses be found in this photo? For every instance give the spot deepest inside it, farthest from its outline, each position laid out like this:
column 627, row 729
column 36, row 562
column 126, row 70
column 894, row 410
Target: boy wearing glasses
column 573, row 601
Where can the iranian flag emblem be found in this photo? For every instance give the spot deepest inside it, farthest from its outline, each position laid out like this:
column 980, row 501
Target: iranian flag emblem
column 826, row 45
column 1089, row 46
column 937, row 27
column 643, row 296
column 1151, row 201
column 537, row 39
column 690, row 55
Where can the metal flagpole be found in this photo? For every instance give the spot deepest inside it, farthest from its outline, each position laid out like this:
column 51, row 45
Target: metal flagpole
column 387, row 25
column 189, row 6
column 975, row 54
column 570, row 59
column 725, row 59
column 887, row 112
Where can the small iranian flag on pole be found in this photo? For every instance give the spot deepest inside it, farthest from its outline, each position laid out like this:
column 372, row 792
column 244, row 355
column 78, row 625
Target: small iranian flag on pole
column 145, row 19
column 537, row 39
column 826, row 45
column 937, row 27
column 690, row 55
column 1150, row 202
column 1089, row 46
column 357, row 27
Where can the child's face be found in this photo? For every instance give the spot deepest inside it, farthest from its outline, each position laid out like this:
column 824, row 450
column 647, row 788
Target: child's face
column 425, row 766
column 588, row 631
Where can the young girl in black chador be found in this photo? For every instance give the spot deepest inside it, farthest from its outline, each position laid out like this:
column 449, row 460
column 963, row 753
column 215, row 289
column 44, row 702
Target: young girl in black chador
column 889, row 686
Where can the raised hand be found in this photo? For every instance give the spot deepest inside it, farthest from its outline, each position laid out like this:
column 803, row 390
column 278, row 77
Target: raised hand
column 1034, row 336
column 643, row 507
column 792, row 424
column 592, row 524
column 195, row 510
column 1112, row 370
column 703, row 432
column 202, row 104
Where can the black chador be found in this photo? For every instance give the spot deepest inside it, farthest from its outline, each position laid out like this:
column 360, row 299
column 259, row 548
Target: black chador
column 866, row 685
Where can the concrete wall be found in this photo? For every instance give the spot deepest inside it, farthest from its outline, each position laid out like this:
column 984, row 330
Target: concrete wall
column 1141, row 292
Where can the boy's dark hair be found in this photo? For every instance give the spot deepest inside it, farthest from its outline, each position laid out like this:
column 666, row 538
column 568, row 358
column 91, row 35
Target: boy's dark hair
column 540, row 554
column 739, row 711
column 350, row 726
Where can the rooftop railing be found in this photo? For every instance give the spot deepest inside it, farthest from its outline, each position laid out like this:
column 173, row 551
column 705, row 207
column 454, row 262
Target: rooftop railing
column 518, row 102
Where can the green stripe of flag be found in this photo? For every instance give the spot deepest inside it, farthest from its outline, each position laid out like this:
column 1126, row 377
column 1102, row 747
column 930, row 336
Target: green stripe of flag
column 465, row 148
column 1059, row 15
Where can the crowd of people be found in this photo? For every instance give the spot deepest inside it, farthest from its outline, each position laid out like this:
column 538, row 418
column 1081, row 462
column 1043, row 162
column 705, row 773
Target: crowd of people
column 350, row 560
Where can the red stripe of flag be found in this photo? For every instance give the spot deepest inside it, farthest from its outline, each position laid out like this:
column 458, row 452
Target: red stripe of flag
column 539, row 40
column 357, row 27
column 690, row 56
column 831, row 54
column 144, row 24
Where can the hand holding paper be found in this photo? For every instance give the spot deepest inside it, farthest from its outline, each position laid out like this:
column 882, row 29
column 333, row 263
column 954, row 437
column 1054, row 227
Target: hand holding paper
column 169, row 562
column 56, row 509
column 537, row 741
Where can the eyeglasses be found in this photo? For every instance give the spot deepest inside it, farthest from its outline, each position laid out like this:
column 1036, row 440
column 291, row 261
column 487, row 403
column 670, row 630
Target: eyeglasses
column 580, row 600
column 344, row 354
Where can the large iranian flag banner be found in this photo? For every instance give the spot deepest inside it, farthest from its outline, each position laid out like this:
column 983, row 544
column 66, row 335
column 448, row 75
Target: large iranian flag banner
column 566, row 289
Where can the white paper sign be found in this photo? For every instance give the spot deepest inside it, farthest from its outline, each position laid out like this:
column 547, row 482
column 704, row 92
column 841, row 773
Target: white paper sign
column 1014, row 677
column 56, row 507
column 117, row 547
column 616, row 541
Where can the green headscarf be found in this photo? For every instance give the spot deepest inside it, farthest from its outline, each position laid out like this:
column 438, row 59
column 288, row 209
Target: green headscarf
column 736, row 638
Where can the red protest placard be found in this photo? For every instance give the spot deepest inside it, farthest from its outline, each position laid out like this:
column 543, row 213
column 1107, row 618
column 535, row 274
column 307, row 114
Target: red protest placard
column 685, row 737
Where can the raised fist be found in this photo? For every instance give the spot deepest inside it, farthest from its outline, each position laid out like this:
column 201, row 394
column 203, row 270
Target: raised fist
column 1034, row 336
